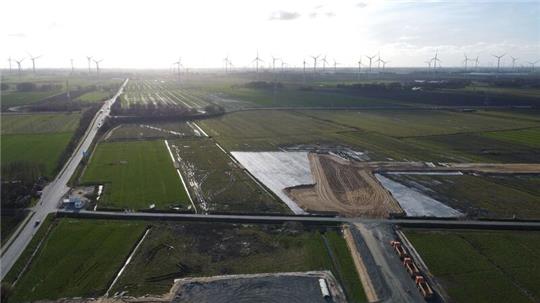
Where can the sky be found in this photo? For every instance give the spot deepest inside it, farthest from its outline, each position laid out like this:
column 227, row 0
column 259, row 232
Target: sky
column 153, row 34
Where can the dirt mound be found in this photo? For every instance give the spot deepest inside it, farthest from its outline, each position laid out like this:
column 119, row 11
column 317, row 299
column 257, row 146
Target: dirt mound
column 343, row 187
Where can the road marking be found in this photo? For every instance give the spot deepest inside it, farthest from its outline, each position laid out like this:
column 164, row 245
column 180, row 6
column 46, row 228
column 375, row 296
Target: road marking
column 127, row 262
column 180, row 175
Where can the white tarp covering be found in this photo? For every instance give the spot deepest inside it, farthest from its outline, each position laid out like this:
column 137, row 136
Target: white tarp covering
column 278, row 170
column 415, row 203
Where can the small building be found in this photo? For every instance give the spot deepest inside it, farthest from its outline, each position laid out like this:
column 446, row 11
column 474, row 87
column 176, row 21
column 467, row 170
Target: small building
column 73, row 203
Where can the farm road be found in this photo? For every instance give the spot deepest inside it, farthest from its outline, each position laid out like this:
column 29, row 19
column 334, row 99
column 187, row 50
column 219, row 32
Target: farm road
column 53, row 192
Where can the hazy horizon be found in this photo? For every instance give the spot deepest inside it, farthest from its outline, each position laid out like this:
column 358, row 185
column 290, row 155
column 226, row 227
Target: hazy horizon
column 152, row 36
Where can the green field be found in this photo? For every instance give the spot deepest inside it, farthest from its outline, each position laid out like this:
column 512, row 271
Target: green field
column 78, row 258
column 9, row 222
column 499, row 197
column 39, row 123
column 94, row 96
column 143, row 131
column 174, row 250
column 528, row 137
column 482, row 266
column 135, row 174
column 408, row 123
column 223, row 185
column 24, row 98
column 37, row 138
column 43, row 149
column 268, row 130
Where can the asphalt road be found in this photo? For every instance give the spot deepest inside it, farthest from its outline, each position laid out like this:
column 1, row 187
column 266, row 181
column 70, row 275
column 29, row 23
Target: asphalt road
column 428, row 222
column 52, row 193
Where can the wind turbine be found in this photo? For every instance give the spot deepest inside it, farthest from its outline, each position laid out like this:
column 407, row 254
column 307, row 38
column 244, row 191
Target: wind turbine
column 283, row 63
column 476, row 63
column 513, row 62
column 429, row 64
column 466, row 60
column 370, row 59
column 19, row 65
column 498, row 61
column 9, row 60
column 384, row 64
column 33, row 62
column 435, row 59
column 315, row 62
column 324, row 63
column 533, row 64
column 274, row 59
column 257, row 60
column 359, row 67
column 97, row 65
column 379, row 60
column 335, row 66
column 304, row 70
column 226, row 60
column 89, row 58
column 72, row 68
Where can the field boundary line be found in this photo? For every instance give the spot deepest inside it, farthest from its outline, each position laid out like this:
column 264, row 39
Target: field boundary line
column 200, row 129
column 180, row 175
column 19, row 229
column 127, row 262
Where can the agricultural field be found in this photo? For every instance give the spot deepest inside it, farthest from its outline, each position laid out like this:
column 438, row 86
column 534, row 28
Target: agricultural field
column 269, row 130
column 46, row 134
column 294, row 96
column 155, row 130
column 526, row 137
column 9, row 221
column 160, row 92
column 482, row 266
column 135, row 175
column 498, row 197
column 25, row 98
column 217, row 183
column 414, row 123
column 94, row 96
column 77, row 258
column 174, row 250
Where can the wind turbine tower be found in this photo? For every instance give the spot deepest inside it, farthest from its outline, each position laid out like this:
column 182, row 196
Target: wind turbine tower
column 324, row 63
column 34, row 62
column 97, row 65
column 513, row 62
column 72, row 67
column 436, row 59
column 370, row 59
column 315, row 63
column 335, row 66
column 257, row 60
column 89, row 58
column 466, row 60
column 304, row 70
column 9, row 60
column 359, row 67
column 498, row 61
column 19, row 66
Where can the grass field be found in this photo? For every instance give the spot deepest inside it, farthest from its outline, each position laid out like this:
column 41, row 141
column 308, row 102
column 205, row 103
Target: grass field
column 174, row 250
column 221, row 184
column 500, row 197
column 528, row 137
column 143, row 131
column 294, row 97
column 94, row 96
column 482, row 266
column 268, row 130
column 408, row 123
column 18, row 98
column 78, row 258
column 9, row 222
column 136, row 174
column 44, row 149
column 37, row 138
column 39, row 123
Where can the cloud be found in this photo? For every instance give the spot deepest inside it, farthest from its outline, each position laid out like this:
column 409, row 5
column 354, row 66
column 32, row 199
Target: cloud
column 284, row 15
column 361, row 4
column 17, row 35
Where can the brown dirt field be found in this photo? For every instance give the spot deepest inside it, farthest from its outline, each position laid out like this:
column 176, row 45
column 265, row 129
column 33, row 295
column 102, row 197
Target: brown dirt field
column 344, row 187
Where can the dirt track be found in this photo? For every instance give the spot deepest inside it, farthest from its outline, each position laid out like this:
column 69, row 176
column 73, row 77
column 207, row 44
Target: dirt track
column 340, row 186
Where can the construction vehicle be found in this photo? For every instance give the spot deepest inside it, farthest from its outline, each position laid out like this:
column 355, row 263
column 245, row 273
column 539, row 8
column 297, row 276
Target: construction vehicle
column 424, row 287
column 400, row 250
column 412, row 269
